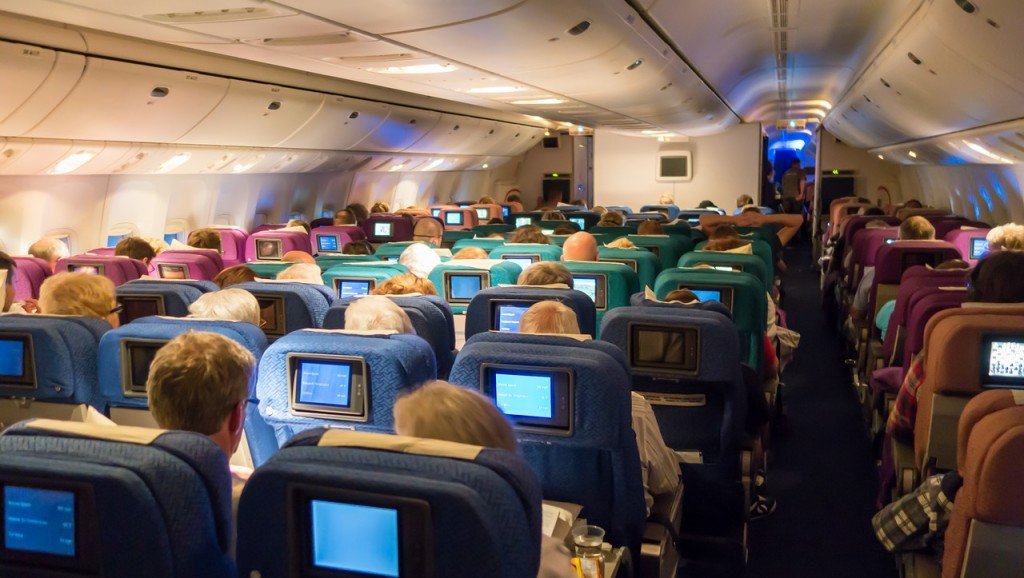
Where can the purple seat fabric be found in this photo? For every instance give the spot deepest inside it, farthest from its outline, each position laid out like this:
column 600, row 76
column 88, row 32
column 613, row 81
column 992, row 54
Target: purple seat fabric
column 321, row 222
column 118, row 269
column 105, row 251
column 198, row 264
column 268, row 227
column 232, row 246
column 859, row 223
column 944, row 226
column 865, row 247
column 889, row 262
column 914, row 280
column 341, row 232
column 401, row 228
column 29, row 277
column 961, row 239
column 290, row 241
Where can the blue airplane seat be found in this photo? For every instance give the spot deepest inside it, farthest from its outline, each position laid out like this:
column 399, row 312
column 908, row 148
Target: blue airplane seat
column 490, row 305
column 459, row 281
column 484, row 507
column 686, row 362
column 142, row 298
column 393, row 362
column 670, row 211
column 142, row 502
column 640, row 300
column 426, row 312
column 586, row 453
column 290, row 306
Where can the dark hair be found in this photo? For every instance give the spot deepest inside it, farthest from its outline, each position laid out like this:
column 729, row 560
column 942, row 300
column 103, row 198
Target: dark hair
column 564, row 229
column 706, row 204
column 872, row 212
column 513, row 198
column 913, row 204
column 8, row 264
column 553, row 216
column 528, row 234
column 234, row 276
column 996, row 278
column 359, row 211
column 496, row 221
column 681, row 296
column 650, row 227
column 135, row 248
column 357, row 247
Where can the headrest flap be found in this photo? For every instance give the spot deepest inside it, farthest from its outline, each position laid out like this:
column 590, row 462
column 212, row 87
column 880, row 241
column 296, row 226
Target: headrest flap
column 125, row 434
column 339, row 438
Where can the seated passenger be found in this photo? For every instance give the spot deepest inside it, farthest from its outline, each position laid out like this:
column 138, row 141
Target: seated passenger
column 612, row 219
column 599, row 210
column 545, row 273
column 49, row 249
column 298, row 257
column 885, row 311
column 377, row 313
column 580, row 246
column 912, row 229
column 650, row 227
column 1008, row 237
column 666, row 199
column 621, row 243
column 470, row 253
column 8, row 266
column 565, row 229
column 298, row 223
column 205, row 239
column 380, row 207
column 199, row 382
column 742, row 201
column 227, row 305
column 343, row 218
column 419, row 259
column 234, row 276
column 919, row 519
column 486, row 200
column 359, row 211
column 135, row 248
column 428, row 231
column 553, row 216
column 405, row 284
column 659, row 464
column 529, row 234
column 495, row 221
column 788, row 224
column 913, row 204
column 358, row 247
column 302, row 273
column 80, row 294
column 159, row 245
column 441, row 411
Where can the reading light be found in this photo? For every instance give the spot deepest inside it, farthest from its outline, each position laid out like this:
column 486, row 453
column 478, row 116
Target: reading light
column 242, row 167
column 415, row 69
column 881, row 157
column 174, row 162
column 635, row 64
column 434, row 164
column 539, row 101
column 912, row 154
column 494, row 89
column 980, row 149
column 653, row 131
column 72, row 162
column 397, row 167
column 484, row 166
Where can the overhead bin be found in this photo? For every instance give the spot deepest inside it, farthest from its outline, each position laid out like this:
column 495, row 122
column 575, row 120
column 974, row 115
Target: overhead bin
column 63, row 72
column 31, row 158
column 452, row 134
column 23, row 68
column 339, row 124
column 253, row 114
column 403, row 128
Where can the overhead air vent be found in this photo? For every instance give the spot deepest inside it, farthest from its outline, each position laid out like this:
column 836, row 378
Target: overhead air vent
column 315, row 40
column 885, row 83
column 374, row 58
column 579, row 28
column 913, row 58
column 635, row 64
column 159, row 92
column 966, row 6
column 274, row 105
column 222, row 15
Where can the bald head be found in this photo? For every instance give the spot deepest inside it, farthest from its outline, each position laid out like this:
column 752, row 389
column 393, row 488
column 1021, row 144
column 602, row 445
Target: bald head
column 428, row 230
column 298, row 257
column 580, row 247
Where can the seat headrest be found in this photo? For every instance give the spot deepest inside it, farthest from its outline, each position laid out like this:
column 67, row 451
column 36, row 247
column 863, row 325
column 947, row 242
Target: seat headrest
column 953, row 345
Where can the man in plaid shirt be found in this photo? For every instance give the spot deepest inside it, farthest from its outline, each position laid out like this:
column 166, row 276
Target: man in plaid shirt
column 918, row 520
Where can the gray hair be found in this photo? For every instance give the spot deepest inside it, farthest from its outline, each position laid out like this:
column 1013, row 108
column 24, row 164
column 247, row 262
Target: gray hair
column 227, row 305
column 376, row 312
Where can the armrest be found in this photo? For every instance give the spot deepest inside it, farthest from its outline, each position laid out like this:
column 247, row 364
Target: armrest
column 659, row 552
column 906, row 469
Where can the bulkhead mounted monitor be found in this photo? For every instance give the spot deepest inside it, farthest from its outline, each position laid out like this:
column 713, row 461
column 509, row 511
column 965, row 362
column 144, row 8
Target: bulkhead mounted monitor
column 462, row 286
column 1002, row 361
column 17, row 361
column 669, row 351
column 136, row 357
column 539, row 399
column 328, row 386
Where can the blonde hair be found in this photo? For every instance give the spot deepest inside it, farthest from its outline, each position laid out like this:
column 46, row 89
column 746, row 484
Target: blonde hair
column 621, row 243
column 917, row 229
column 549, row 317
column 302, row 272
column 545, row 273
column 380, row 207
column 376, row 312
column 666, row 199
column 79, row 294
column 299, row 223
column 404, row 284
column 298, row 257
column 612, row 219
column 196, row 380
column 470, row 253
column 227, row 305
column 439, row 410
column 1008, row 237
column 205, row 239
column 49, row 249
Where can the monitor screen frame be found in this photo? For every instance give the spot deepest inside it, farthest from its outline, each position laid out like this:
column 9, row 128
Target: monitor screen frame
column 100, row 268
column 359, row 390
column 974, row 245
column 485, row 282
column 436, row 213
column 482, row 213
column 415, row 529
column 600, row 288
column 579, row 222
column 28, row 381
column 391, row 230
column 337, row 281
column 319, row 244
column 182, row 267
column 935, row 256
column 533, row 257
column 278, row 328
column 129, row 390
column 497, row 304
column 516, row 218
column 460, row 218
column 278, row 254
column 87, row 536
column 650, row 369
column 505, row 211
column 563, row 387
column 631, row 263
column 122, row 300
column 728, row 294
column 662, row 175
column 998, row 382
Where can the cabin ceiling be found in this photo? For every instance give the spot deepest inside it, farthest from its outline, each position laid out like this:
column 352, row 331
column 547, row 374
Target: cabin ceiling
column 689, row 67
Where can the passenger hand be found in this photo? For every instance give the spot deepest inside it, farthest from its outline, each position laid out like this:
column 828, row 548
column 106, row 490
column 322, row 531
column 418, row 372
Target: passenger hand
column 30, row 305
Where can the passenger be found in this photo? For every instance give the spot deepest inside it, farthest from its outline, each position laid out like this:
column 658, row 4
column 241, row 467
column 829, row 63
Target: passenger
column 912, row 229
column 486, row 200
column 80, row 294
column 580, row 247
column 439, row 410
column 495, row 221
column 159, row 245
column 564, row 229
column 428, row 230
column 612, row 219
column 405, row 284
column 302, row 273
column 706, row 204
column 743, row 201
column 622, row 243
column 684, row 296
column 918, row 520
column 750, row 209
column 729, row 245
column 885, row 311
column 1008, row 237
column 553, row 216
column 199, row 382
column 599, row 210
column 7, row 305
column 234, row 276
column 529, row 234
column 135, row 248
column 787, row 226
column 470, row 253
column 913, row 204
column 578, row 203
column 870, row 211
column 205, row 239
column 377, row 313
column 792, row 188
column 545, row 273
column 357, row 247
column 359, row 211
column 227, row 305
column 650, row 227
column 419, row 259
column 298, row 223
column 666, row 199
column 380, row 207
column 298, row 257
column 659, row 464
column 344, row 218
column 49, row 249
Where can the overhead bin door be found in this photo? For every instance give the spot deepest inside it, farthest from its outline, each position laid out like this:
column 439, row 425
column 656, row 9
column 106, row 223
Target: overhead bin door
column 403, row 127
column 339, row 124
column 35, row 80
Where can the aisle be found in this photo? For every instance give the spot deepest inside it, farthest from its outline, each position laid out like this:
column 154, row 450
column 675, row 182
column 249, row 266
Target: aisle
column 823, row 473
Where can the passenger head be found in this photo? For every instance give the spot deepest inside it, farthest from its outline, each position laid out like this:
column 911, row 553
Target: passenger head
column 343, row 218
column 553, row 216
column 419, row 259
column 916, row 229
column 428, row 230
column 612, row 219
column 470, row 253
column 380, row 207
column 234, row 276
column 599, row 210
column 205, row 239
column 80, row 294
column 357, row 247
column 996, row 278
column 1008, row 237
column 549, row 317
column 913, row 204
column 298, row 257
column 299, row 223
column 227, row 305
column 706, row 204
column 135, row 248
column 376, row 313
column 723, row 232
column 159, row 245
column 7, row 264
column 405, row 284
column 622, row 243
column 49, row 249
column 495, row 221
column 441, row 411
column 359, row 211
column 580, row 247
column 684, row 296
column 513, row 197
column 199, row 382
column 302, row 273
column 650, row 227
column 528, row 234
column 953, row 265
column 726, row 244
column 564, row 229
column 744, row 200
column 486, row 200
column 666, row 199
column 545, row 273
column 869, row 211
column 751, row 209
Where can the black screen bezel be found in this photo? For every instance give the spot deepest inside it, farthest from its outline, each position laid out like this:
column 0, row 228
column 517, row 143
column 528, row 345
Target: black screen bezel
column 278, row 251
column 460, row 214
column 100, row 268
column 496, row 305
column 935, row 259
column 631, row 263
column 600, row 288
column 999, row 382
column 659, row 369
column 727, row 292
column 337, row 242
column 971, row 250
column 337, row 281
column 390, row 233
column 28, row 379
column 562, row 390
column 278, row 327
column 180, row 266
column 359, row 391
column 124, row 300
column 128, row 388
column 485, row 282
